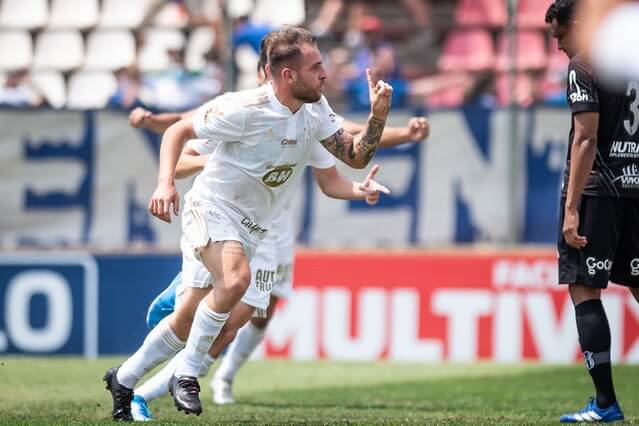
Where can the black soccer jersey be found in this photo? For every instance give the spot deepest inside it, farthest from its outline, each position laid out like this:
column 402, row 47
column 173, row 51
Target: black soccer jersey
column 616, row 169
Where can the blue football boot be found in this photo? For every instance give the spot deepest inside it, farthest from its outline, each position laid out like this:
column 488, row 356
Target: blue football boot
column 592, row 413
column 164, row 304
column 140, row 409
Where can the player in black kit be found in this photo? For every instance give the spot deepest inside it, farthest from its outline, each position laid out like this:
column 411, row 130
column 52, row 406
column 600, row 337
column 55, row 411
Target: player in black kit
column 599, row 218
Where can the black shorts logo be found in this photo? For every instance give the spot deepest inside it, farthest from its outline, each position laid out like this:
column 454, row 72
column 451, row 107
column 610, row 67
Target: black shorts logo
column 595, row 265
column 634, row 267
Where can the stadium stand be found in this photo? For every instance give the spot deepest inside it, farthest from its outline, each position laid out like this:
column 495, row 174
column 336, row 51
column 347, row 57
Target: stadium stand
column 123, row 14
column 109, row 50
column 52, row 86
column 481, row 13
column 201, row 41
column 59, row 50
column 530, row 52
column 17, row 50
column 73, row 14
column 468, row 50
column 24, row 14
column 153, row 56
column 531, row 14
column 468, row 39
column 90, row 89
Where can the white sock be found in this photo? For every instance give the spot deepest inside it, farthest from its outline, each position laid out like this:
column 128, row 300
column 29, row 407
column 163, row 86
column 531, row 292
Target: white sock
column 239, row 351
column 160, row 344
column 206, row 326
column 158, row 385
column 206, row 365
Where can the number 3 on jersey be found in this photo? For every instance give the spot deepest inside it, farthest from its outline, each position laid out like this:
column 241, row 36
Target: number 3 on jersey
column 633, row 125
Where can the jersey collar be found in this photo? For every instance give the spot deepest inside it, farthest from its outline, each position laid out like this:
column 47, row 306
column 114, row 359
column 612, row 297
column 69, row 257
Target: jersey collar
column 277, row 105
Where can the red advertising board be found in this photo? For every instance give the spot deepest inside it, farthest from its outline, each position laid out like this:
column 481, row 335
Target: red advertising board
column 438, row 306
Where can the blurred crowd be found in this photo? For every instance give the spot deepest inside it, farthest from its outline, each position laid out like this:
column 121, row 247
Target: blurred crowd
column 174, row 55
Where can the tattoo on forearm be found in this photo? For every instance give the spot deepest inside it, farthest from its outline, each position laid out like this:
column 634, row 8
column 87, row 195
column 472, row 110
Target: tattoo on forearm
column 370, row 138
column 340, row 145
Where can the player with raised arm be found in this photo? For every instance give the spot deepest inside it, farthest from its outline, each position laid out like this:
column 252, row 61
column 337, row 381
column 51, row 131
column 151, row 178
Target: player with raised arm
column 598, row 235
column 247, row 179
column 279, row 272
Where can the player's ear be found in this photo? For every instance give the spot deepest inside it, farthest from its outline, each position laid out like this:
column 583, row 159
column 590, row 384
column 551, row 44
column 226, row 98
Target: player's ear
column 289, row 75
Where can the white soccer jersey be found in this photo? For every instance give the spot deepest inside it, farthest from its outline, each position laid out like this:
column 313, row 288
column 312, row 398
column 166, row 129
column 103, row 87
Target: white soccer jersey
column 257, row 151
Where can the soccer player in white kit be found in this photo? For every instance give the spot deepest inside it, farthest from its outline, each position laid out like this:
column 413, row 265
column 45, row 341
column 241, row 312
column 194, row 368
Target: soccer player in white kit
column 271, row 267
column 264, row 138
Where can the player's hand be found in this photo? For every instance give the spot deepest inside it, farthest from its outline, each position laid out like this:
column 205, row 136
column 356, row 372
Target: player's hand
column 380, row 95
column 371, row 189
column 418, row 128
column 163, row 197
column 138, row 115
column 570, row 230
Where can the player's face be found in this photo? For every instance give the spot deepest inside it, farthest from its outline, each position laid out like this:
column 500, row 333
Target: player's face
column 310, row 75
column 566, row 40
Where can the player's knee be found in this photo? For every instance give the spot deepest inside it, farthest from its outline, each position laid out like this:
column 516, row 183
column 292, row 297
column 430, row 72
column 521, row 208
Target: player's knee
column 237, row 284
column 580, row 293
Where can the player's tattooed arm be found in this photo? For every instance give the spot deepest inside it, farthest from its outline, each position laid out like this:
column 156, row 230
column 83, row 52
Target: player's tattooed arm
column 358, row 151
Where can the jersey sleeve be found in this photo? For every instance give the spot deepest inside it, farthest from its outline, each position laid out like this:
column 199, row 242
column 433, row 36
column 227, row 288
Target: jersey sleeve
column 330, row 122
column 582, row 88
column 220, row 119
column 320, row 157
column 201, row 146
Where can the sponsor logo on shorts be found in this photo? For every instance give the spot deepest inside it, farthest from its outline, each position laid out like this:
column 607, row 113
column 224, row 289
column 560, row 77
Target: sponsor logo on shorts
column 630, row 177
column 624, row 149
column 289, row 142
column 264, row 280
column 634, row 267
column 576, row 95
column 277, row 176
column 252, row 226
column 594, row 265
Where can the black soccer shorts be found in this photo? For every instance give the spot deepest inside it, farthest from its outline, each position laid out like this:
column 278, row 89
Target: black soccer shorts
column 611, row 226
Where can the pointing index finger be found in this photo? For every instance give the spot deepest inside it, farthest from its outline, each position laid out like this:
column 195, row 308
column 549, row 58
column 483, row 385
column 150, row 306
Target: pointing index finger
column 369, row 78
column 372, row 173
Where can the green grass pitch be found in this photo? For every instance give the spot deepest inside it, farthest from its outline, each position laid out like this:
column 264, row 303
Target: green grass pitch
column 65, row 391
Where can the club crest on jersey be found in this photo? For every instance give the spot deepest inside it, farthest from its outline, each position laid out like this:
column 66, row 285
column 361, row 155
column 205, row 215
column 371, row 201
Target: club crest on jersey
column 630, row 177
column 576, row 95
column 214, row 110
column 277, row 176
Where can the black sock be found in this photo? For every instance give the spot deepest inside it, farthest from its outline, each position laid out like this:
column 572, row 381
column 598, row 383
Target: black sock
column 594, row 338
